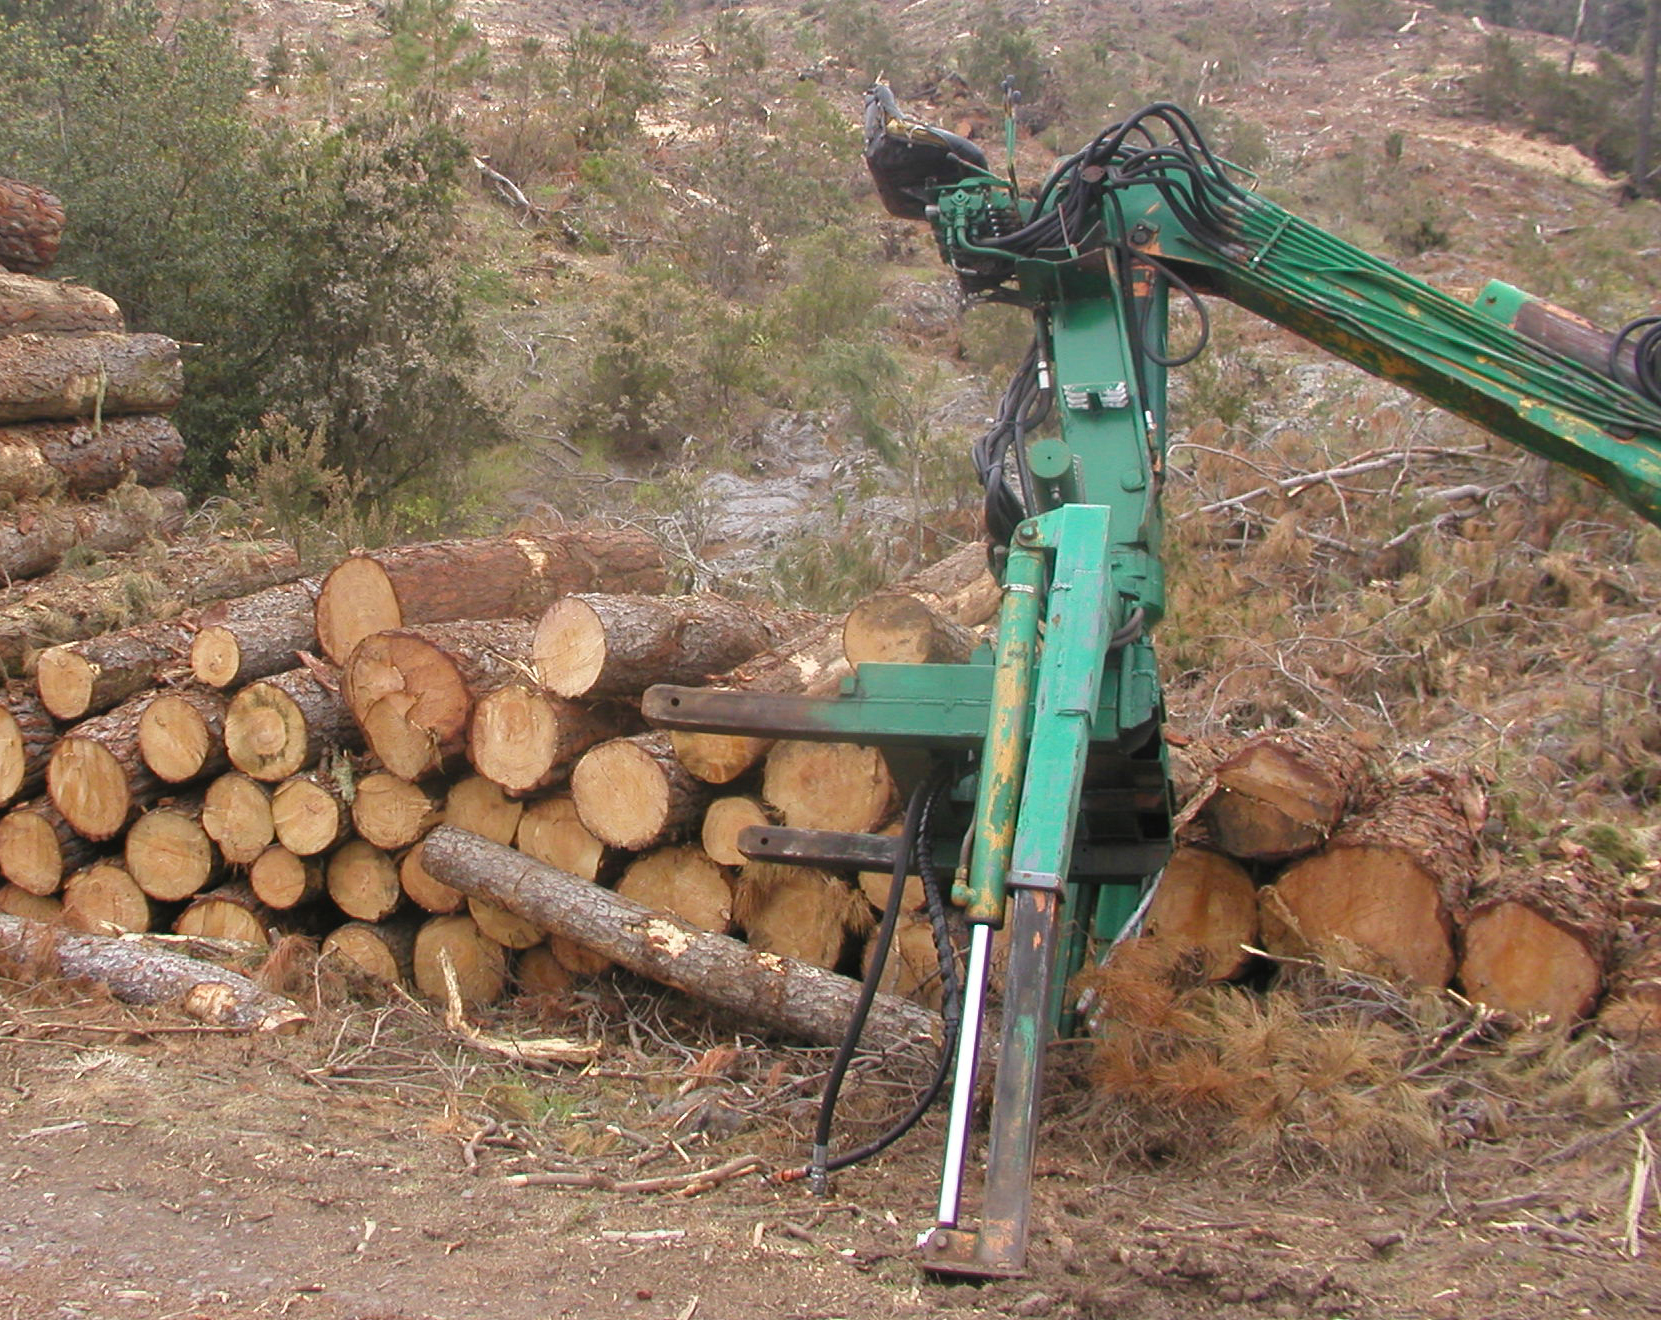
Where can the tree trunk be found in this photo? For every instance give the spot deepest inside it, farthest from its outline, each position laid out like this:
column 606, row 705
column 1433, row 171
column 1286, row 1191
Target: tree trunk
column 391, row 812
column 551, row 832
column 255, row 636
column 27, row 734
column 138, row 974
column 525, row 739
column 363, row 881
column 309, row 814
column 231, row 912
column 237, row 815
column 632, row 793
column 412, row 691
column 38, row 536
column 723, row 821
column 481, row 964
column 1283, row 794
column 477, row 805
column 281, row 725
column 615, row 646
column 104, row 900
column 1206, row 902
column 47, row 377
column 282, row 880
column 681, row 881
column 799, row 912
column 168, row 852
column 31, row 227
column 181, row 734
column 828, row 786
column 382, row 951
column 494, row 578
column 38, row 847
column 82, row 678
column 85, row 457
column 762, row 990
column 1386, row 888
column 1536, row 943
column 30, row 305
column 96, row 777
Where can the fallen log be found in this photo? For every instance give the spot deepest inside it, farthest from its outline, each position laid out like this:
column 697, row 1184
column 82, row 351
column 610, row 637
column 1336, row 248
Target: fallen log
column 85, row 457
column 82, row 678
column 137, row 974
column 481, row 578
column 764, row 990
column 255, row 636
column 1283, row 794
column 282, row 725
column 48, row 377
column 633, row 793
column 38, row 847
column 31, row 227
column 27, row 733
column 29, row 304
column 38, row 535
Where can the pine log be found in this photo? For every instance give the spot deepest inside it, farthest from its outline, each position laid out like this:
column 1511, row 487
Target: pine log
column 35, row 539
column 1206, row 901
column 82, row 678
column 281, row 879
column 1536, row 942
column 799, row 912
column 27, row 734
column 382, row 951
column 38, row 847
column 281, row 725
column 412, row 691
column 912, row 968
column 47, row 377
column 87, row 457
column 875, row 885
column 255, row 636
column 168, row 852
column 526, row 739
column 15, row 902
column 1283, row 794
column 66, row 607
column 29, row 304
column 481, row 964
column 479, row 806
column 421, row 889
column 762, row 990
column 553, row 833
column 136, row 973
column 681, row 881
column 181, row 734
column 309, row 813
column 96, row 777
column 723, row 821
column 1386, row 888
column 104, row 900
column 31, row 227
column 895, row 628
column 600, row 645
column 538, row 971
column 231, row 912
column 578, row 959
column 508, row 929
column 828, row 786
column 391, row 812
column 486, row 578
column 1631, row 1011
column 237, row 815
column 363, row 881
column 632, row 793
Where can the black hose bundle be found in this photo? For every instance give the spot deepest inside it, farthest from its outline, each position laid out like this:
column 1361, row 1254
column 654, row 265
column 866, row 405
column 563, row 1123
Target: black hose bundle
column 1645, row 334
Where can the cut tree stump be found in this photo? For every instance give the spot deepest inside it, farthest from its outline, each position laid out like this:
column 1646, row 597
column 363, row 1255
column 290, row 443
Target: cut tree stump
column 282, row 880
column 97, row 778
column 682, row 881
column 1387, row 887
column 363, row 881
column 38, row 847
column 481, row 964
column 762, row 990
column 382, row 951
column 30, row 305
column 181, row 734
column 31, row 227
column 52, row 377
column 282, row 725
column 632, row 793
column 1206, row 901
column 1283, row 794
column 723, row 822
column 139, row 974
column 391, row 812
column 526, row 739
column 86, row 457
column 255, row 636
column 799, row 912
column 169, row 854
column 27, row 734
column 237, row 815
column 828, row 786
column 82, row 678
column 481, row 578
column 104, row 900
column 309, row 813
column 231, row 912
column 37, row 536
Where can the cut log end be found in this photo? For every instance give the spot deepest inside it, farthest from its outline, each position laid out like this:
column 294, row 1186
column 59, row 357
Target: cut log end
column 357, row 599
column 363, row 881
column 169, row 854
column 89, row 785
column 179, row 735
column 570, row 647
column 1206, row 901
column 236, row 813
column 480, row 964
column 215, row 656
column 632, row 792
column 281, row 879
column 105, row 900
column 683, row 881
column 308, row 815
column 66, row 682
column 1518, row 961
column 265, row 733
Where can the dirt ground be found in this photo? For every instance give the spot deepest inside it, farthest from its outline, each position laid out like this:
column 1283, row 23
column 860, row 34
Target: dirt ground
column 359, row 1171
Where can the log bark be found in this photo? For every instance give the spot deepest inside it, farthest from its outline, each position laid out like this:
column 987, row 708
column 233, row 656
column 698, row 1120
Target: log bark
column 29, row 304
column 382, row 951
column 231, row 912
column 599, row 645
column 27, row 734
column 551, row 832
column 1536, row 942
column 484, row 578
column 181, row 734
column 1206, row 902
column 632, row 793
column 38, row 847
column 411, row 691
column 47, row 377
column 38, row 536
column 31, row 227
column 1386, row 889
column 97, row 778
column 168, row 852
column 763, row 990
column 138, row 974
column 828, row 786
column 237, row 815
column 255, row 636
column 526, row 739
column 281, row 725
column 681, row 881
column 481, row 964
column 82, row 678
column 309, row 814
column 281, row 879
column 85, row 457
column 363, row 881
column 391, row 812
column 103, row 899
column 799, row 912
column 1283, row 794
column 723, row 821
